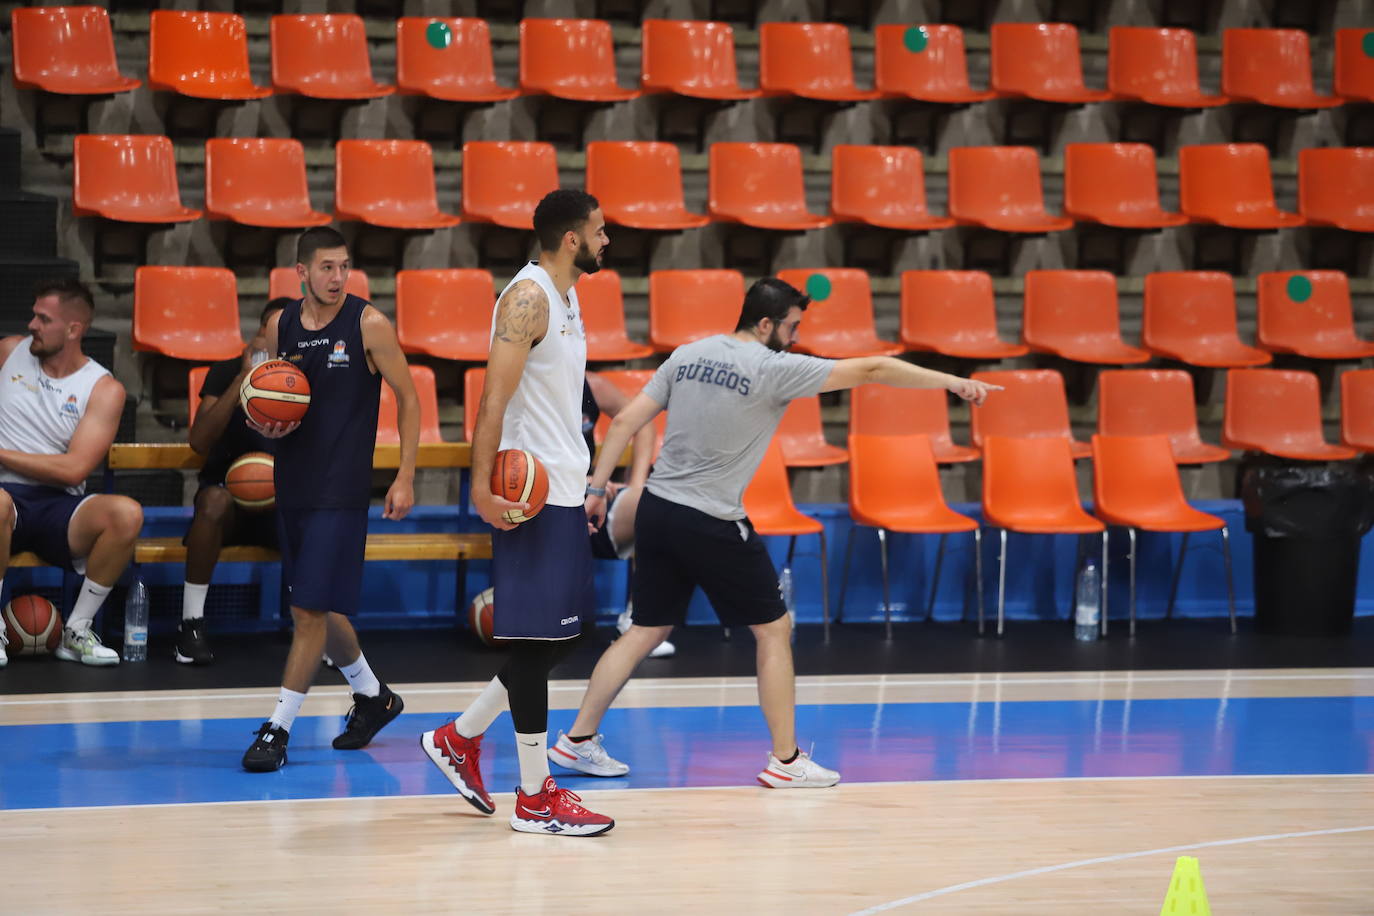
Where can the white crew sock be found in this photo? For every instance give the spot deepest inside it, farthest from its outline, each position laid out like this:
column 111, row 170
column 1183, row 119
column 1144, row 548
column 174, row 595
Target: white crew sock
column 288, row 707
column 533, row 751
column 193, row 600
column 88, row 603
column 360, row 677
column 490, row 703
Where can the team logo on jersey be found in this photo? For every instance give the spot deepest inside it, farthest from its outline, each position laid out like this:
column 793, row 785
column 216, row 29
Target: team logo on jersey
column 340, row 355
column 70, row 408
column 19, row 380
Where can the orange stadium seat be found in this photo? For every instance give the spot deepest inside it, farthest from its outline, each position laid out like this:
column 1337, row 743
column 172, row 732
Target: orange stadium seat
column 882, row 410
column 445, row 313
column 203, row 55
column 285, row 282
column 1230, row 184
column 1357, row 409
column 810, row 60
column 1040, row 60
column 387, row 183
column 953, row 312
column 1190, row 316
column 760, row 185
column 1354, row 78
column 924, row 62
column 1158, row 66
column 803, row 437
column 603, row 317
column 687, row 305
column 570, row 59
column 639, row 185
column 259, row 182
column 503, row 181
column 1336, row 187
column 769, row 506
column 472, row 399
column 388, row 428
column 1309, row 313
column 881, row 186
column 998, row 187
column 1270, row 67
column 1114, row 184
column 694, row 59
column 1074, row 314
column 448, row 59
column 323, row 56
column 131, row 179
column 187, row 313
column 1278, row 412
column 631, row 382
column 195, row 380
column 67, row 50
column 1033, row 405
column 839, row 322
column 1154, row 402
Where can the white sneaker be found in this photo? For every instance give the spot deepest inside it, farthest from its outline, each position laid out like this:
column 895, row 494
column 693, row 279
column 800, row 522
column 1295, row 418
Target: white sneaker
column 85, row 647
column 586, row 757
column 802, row 773
column 4, row 659
column 664, row 649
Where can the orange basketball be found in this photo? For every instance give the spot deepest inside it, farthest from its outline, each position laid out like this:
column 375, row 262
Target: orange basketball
column 520, row 477
column 275, row 392
column 481, row 611
column 249, row 481
column 33, row 625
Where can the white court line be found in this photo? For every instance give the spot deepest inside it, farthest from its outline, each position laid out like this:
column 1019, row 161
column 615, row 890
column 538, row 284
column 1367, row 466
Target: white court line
column 1103, row 860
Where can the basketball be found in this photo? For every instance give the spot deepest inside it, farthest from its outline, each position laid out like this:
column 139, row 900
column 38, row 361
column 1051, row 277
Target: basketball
column 33, row 625
column 520, row 477
column 249, row 481
column 275, row 392
column 480, row 618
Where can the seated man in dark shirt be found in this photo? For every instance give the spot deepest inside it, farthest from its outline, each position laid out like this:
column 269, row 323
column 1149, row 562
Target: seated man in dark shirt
column 222, row 435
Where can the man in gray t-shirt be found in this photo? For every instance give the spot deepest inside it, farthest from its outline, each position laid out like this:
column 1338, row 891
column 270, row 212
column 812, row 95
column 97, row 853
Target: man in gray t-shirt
column 725, row 396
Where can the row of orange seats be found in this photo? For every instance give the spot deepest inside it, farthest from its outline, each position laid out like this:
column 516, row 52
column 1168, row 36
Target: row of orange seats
column 391, row 183
column 71, row 50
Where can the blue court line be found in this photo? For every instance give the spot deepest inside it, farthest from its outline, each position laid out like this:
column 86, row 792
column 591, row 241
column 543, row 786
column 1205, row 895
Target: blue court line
column 195, row 760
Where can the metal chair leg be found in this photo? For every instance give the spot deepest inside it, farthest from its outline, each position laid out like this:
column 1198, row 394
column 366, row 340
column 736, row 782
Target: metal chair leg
column 825, row 588
column 1131, row 531
column 844, row 572
column 887, row 604
column 1106, row 579
column 791, row 549
column 1178, row 571
column 1230, row 585
column 1002, row 582
column 935, row 581
column 978, row 573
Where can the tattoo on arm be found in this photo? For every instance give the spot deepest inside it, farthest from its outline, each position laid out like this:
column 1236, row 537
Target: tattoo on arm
column 523, row 316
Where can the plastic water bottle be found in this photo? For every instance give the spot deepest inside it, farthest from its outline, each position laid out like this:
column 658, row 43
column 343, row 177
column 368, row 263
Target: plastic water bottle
column 1087, row 614
column 259, row 357
column 136, row 623
column 785, row 589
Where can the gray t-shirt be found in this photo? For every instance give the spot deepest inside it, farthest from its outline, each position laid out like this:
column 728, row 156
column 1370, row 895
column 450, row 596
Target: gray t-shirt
column 725, row 397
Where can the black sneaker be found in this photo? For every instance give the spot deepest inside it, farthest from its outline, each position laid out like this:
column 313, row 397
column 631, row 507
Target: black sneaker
column 368, row 716
column 268, row 750
column 193, row 648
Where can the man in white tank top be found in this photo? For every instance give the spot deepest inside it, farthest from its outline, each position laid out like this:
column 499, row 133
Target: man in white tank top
column 59, row 412
column 541, row 568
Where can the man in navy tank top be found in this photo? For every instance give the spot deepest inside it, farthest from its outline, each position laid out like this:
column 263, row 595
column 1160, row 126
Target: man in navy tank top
column 541, row 568
column 345, row 347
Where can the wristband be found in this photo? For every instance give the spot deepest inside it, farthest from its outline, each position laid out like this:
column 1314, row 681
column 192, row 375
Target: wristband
column 596, row 491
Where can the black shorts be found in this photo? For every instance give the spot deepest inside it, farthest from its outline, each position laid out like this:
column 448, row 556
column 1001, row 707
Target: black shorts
column 678, row 548
column 542, row 572
column 244, row 528
column 322, row 554
column 42, row 516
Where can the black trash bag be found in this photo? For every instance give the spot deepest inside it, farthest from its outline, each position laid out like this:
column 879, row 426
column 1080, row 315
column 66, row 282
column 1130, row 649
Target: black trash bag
column 1314, row 500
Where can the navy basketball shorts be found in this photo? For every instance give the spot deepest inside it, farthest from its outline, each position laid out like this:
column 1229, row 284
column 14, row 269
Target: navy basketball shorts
column 541, row 573
column 322, row 557
column 42, row 516
column 678, row 548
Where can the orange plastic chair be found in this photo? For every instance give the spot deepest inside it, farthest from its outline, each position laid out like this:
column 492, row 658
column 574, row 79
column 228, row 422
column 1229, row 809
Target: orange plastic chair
column 1154, row 402
column 1270, row 67
column 687, row 305
column 839, row 322
column 473, row 379
column 1278, row 412
column 882, row 410
column 1336, row 187
column 953, row 312
column 882, row 186
column 388, row 417
column 810, row 60
column 924, row 62
column 570, row 59
column 259, row 182
column 1040, row 60
column 999, row 187
column 640, row 185
column 67, row 50
column 447, row 59
column 694, row 59
column 504, row 181
column 631, row 382
column 1357, row 409
column 1029, row 486
column 284, row 282
column 1074, row 314
column 1230, row 184
column 894, row 486
column 760, row 185
column 132, row 179
column 1136, row 487
column 1114, row 184
column 803, row 437
column 1354, row 79
column 1190, row 316
column 202, row 55
column 445, row 313
column 187, row 313
column 769, row 506
column 1032, row 406
column 323, row 56
column 1309, row 313
column 1158, row 66
column 387, row 183
column 603, row 316
column 195, row 380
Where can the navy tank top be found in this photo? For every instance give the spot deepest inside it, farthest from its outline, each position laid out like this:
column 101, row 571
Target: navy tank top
column 327, row 462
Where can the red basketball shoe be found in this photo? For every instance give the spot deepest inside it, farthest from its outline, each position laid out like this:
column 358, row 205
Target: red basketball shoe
column 556, row 811
column 459, row 759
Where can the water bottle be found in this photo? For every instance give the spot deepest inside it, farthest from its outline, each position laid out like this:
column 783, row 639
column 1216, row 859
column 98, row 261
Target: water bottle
column 259, row 357
column 136, row 623
column 1086, row 614
column 785, row 589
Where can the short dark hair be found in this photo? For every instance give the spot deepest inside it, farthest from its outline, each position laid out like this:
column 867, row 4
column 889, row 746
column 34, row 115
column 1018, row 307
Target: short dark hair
column 67, row 289
column 561, row 211
column 316, row 238
column 274, row 305
column 770, row 298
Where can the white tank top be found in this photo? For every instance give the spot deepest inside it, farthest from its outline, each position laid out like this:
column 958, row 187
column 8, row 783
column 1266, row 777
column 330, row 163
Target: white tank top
column 544, row 415
column 39, row 414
